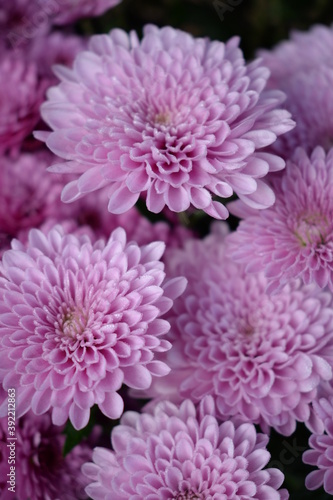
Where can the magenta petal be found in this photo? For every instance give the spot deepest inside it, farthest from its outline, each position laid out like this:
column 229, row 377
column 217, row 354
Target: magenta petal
column 328, row 481
column 155, row 200
column 112, row 406
column 177, row 199
column 138, row 181
column 90, row 181
column 137, row 377
column 60, row 415
column 70, row 192
column 315, row 479
column 78, row 416
column 121, row 199
column 263, row 197
column 41, row 401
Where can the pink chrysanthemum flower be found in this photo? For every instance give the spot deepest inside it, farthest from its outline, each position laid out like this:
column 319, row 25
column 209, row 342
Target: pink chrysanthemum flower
column 294, row 238
column 176, row 118
column 304, row 51
column 260, row 357
column 78, row 319
column 302, row 68
column 28, row 195
column 183, row 453
column 310, row 101
column 322, row 448
column 22, row 21
column 22, row 92
column 42, row 472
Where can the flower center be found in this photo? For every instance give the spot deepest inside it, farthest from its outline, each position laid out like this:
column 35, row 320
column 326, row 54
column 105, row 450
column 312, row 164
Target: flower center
column 247, row 325
column 311, row 230
column 72, row 323
column 163, row 118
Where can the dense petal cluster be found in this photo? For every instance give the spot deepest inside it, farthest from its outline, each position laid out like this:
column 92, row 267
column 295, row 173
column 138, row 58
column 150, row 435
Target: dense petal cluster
column 176, row 118
column 294, row 238
column 42, row 472
column 302, row 68
column 29, row 195
column 183, row 453
column 78, row 319
column 321, row 452
column 303, row 52
column 310, row 101
column 260, row 357
column 23, row 21
column 22, row 92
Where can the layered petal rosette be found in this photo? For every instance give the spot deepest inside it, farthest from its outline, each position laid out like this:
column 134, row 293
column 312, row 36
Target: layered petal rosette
column 320, row 453
column 183, row 453
column 22, row 21
column 302, row 68
column 310, row 100
column 78, row 319
column 294, row 238
column 29, row 196
column 261, row 357
column 177, row 119
column 304, row 51
column 22, row 92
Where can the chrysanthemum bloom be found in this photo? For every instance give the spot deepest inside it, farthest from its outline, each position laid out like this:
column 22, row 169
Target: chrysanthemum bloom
column 22, row 92
column 322, row 449
column 183, row 453
column 294, row 238
column 22, row 21
column 78, row 319
column 310, row 101
column 42, row 472
column 302, row 68
column 175, row 118
column 260, row 357
column 28, row 195
column 321, row 407
column 304, row 51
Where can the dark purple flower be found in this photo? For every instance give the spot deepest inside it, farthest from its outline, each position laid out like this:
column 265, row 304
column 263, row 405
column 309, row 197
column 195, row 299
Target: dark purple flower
column 42, row 472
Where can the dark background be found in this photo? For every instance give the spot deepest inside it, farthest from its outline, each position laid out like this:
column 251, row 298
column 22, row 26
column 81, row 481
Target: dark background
column 259, row 23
